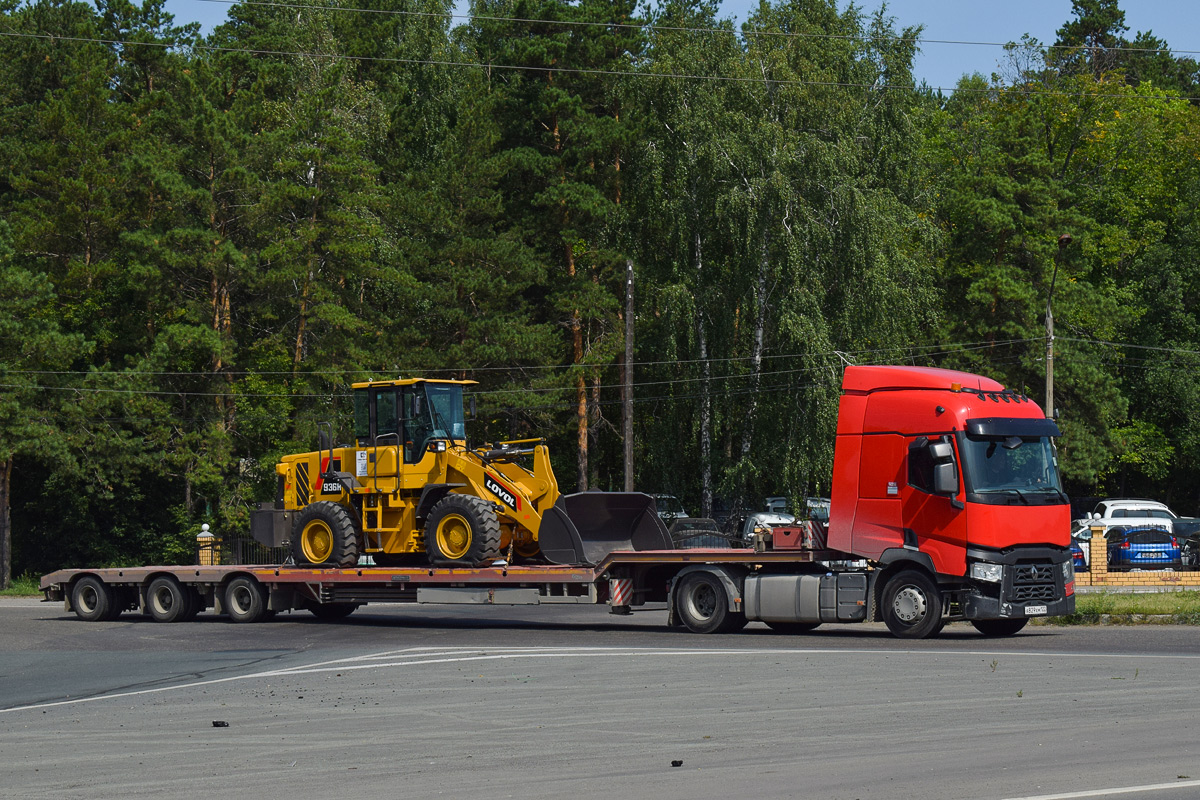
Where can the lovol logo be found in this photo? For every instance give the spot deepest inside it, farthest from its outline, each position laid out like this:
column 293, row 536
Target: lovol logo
column 495, row 487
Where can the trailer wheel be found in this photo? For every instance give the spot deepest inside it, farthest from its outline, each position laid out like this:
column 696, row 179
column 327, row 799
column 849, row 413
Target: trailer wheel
column 245, row 600
column 793, row 627
column 912, row 605
column 999, row 627
column 329, row 612
column 462, row 530
column 166, row 600
column 94, row 600
column 324, row 533
column 703, row 606
column 195, row 603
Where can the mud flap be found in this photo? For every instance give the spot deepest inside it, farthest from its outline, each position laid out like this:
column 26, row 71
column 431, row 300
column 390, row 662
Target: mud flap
column 583, row 528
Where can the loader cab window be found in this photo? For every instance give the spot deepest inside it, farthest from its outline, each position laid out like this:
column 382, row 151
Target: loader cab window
column 432, row 411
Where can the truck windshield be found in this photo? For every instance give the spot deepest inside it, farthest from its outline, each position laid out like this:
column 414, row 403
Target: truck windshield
column 1011, row 470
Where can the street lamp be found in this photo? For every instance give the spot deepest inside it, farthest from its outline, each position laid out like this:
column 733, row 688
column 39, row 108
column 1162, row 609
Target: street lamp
column 1063, row 241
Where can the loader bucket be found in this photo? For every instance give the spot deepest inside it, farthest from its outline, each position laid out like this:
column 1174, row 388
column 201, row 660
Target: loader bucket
column 583, row 528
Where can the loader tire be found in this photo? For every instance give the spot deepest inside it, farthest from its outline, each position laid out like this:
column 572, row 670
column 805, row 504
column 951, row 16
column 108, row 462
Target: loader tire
column 463, row 531
column 94, row 600
column 324, row 533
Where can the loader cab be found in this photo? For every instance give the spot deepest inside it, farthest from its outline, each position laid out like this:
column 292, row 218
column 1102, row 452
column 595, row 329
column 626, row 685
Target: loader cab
column 416, row 414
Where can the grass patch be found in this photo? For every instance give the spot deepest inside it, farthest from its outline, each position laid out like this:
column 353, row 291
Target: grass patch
column 1182, row 607
column 23, row 586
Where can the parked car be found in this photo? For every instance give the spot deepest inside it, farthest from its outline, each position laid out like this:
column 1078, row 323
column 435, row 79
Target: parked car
column 1142, row 547
column 818, row 509
column 669, row 508
column 689, row 533
column 760, row 519
column 1128, row 513
column 1079, row 554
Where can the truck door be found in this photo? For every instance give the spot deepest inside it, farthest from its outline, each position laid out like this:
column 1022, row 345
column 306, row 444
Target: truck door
column 933, row 511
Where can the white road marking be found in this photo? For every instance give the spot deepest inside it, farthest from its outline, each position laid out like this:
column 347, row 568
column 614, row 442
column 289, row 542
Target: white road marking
column 1150, row 787
column 418, row 656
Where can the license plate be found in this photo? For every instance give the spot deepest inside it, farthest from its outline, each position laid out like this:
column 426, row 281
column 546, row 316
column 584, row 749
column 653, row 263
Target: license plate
column 1031, row 611
column 1154, row 555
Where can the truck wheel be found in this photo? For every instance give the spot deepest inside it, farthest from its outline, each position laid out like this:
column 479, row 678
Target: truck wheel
column 703, row 606
column 999, row 627
column 245, row 600
column 793, row 627
column 324, row 533
column 332, row 611
column 462, row 530
column 195, row 603
column 912, row 605
column 165, row 600
column 94, row 600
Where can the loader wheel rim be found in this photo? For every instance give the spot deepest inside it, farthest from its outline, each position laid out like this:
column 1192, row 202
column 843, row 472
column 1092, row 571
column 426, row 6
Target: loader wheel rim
column 316, row 542
column 454, row 536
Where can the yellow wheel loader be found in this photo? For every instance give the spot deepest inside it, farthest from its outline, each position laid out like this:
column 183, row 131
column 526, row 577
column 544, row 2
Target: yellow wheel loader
column 410, row 490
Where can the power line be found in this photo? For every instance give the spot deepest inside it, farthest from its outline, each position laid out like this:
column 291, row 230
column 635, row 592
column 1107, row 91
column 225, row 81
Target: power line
column 1026, row 92
column 746, row 31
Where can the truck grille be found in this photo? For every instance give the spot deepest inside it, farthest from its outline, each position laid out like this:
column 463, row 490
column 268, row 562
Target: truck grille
column 1034, row 582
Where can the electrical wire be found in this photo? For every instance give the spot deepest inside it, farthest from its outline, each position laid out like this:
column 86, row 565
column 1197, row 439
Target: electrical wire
column 746, row 30
column 734, row 79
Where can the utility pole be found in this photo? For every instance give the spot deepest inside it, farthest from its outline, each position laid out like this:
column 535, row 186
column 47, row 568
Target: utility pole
column 627, row 400
column 1063, row 241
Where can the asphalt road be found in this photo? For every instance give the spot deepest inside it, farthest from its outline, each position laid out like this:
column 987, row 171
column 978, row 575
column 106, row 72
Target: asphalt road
column 553, row 702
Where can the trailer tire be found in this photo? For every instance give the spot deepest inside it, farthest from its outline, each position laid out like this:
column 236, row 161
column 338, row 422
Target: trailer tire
column 94, row 600
column 912, row 605
column 329, row 612
column 793, row 627
column 166, row 600
column 245, row 600
column 324, row 533
column 462, row 530
column 703, row 606
column 999, row 627
column 195, row 603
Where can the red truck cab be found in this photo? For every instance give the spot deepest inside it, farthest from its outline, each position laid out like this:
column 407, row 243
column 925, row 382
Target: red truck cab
column 955, row 474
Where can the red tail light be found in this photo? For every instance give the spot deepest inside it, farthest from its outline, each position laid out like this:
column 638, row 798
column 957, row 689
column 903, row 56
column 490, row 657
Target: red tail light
column 1125, row 545
column 1174, row 542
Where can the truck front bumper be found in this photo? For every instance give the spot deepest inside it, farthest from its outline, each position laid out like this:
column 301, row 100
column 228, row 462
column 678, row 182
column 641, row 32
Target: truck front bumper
column 1035, row 582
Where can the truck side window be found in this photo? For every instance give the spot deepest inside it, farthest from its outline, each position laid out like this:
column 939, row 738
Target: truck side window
column 920, row 465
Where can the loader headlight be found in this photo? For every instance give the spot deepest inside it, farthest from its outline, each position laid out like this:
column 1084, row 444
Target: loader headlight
column 992, row 573
column 438, row 447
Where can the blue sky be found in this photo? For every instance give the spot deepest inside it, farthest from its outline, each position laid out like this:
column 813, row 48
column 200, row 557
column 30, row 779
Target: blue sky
column 940, row 65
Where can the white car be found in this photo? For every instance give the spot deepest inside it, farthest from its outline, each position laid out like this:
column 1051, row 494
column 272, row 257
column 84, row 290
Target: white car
column 1113, row 513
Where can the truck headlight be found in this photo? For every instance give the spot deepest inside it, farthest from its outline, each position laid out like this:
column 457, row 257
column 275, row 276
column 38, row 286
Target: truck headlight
column 1068, row 568
column 992, row 573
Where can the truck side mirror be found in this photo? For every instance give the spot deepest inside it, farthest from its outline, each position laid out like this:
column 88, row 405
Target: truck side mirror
column 941, row 451
column 945, row 478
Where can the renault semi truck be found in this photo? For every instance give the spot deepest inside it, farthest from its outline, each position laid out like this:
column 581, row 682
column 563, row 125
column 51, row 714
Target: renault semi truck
column 946, row 506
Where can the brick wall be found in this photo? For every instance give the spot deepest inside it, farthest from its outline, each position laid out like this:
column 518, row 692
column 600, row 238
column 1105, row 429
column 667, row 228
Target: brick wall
column 1098, row 574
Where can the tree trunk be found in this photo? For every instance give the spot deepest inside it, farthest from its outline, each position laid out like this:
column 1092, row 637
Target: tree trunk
column 5, row 524
column 760, row 324
column 627, row 398
column 706, row 477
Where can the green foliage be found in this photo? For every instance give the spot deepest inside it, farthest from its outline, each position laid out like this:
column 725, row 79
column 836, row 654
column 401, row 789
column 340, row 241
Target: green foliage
column 203, row 241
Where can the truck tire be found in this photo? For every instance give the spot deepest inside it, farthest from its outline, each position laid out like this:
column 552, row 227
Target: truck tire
column 999, row 627
column 462, row 530
column 793, row 627
column 912, row 605
column 324, row 533
column 166, row 600
column 245, row 599
column 94, row 600
column 703, row 606
column 195, row 603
